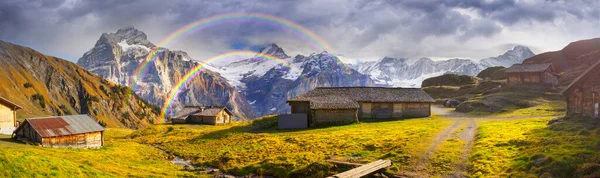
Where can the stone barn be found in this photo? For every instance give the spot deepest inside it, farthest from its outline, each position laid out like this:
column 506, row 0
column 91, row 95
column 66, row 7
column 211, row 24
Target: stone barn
column 583, row 94
column 343, row 105
column 531, row 74
column 214, row 115
column 77, row 131
column 8, row 116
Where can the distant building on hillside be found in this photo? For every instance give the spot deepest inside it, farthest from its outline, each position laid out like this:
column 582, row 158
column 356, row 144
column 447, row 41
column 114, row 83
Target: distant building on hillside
column 583, row 94
column 76, row 131
column 213, row 115
column 344, row 105
column 8, row 116
column 531, row 74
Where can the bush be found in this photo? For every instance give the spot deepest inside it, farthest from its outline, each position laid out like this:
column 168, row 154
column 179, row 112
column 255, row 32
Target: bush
column 27, row 85
column 40, row 98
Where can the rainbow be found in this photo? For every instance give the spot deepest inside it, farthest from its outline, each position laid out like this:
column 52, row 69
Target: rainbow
column 201, row 67
column 286, row 25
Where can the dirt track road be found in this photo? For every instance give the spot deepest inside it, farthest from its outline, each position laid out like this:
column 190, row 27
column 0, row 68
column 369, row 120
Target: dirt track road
column 464, row 127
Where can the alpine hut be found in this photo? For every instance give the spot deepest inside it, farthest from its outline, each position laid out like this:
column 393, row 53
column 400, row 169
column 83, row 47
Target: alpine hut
column 343, row 105
column 583, row 94
column 531, row 74
column 76, row 131
column 214, row 115
column 8, row 116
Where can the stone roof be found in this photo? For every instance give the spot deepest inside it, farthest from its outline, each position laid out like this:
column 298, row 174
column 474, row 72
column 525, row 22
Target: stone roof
column 348, row 97
column 195, row 110
column 517, row 68
column 63, row 125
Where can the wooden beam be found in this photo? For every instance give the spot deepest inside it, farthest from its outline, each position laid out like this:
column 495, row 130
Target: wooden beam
column 364, row 169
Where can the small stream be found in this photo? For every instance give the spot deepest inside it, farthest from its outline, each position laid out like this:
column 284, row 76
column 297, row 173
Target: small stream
column 187, row 164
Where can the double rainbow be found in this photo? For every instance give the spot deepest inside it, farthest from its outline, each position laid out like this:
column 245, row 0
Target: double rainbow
column 286, row 25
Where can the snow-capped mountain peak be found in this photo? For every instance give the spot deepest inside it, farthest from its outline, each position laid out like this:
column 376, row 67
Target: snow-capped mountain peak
column 514, row 56
column 274, row 50
column 402, row 72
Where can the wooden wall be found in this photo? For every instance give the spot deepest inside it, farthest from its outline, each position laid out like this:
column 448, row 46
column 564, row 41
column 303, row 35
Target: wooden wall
column 412, row 110
column 325, row 117
column 393, row 110
column 546, row 78
column 300, row 107
column 221, row 118
column 7, row 117
column 28, row 134
column 85, row 140
column 584, row 98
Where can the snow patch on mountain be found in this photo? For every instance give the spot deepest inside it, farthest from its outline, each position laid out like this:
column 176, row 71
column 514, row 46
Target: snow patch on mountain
column 127, row 47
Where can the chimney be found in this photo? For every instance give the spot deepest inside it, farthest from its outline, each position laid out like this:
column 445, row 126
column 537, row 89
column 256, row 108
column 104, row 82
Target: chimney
column 202, row 108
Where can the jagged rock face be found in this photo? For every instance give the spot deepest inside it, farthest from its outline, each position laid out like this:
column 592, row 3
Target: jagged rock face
column 116, row 56
column 268, row 91
column 403, row 72
column 45, row 85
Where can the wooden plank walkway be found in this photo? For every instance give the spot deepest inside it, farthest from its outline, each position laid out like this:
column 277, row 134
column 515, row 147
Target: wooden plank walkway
column 364, row 169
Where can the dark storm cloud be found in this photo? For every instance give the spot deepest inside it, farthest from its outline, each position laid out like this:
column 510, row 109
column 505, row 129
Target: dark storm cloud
column 57, row 25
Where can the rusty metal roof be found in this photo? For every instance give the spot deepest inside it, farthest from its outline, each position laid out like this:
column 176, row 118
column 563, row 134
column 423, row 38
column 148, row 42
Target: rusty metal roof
column 63, row 125
column 9, row 103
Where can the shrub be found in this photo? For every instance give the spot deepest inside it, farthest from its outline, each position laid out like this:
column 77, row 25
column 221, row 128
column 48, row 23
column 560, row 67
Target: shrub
column 27, row 85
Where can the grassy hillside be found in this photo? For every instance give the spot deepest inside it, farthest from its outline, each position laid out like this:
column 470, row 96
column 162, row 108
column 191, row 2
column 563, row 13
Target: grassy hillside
column 245, row 148
column 450, row 80
column 493, row 73
column 531, row 148
column 119, row 157
column 516, row 101
column 45, row 85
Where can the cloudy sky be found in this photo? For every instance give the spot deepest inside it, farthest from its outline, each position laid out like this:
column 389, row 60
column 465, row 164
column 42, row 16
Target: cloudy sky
column 356, row 29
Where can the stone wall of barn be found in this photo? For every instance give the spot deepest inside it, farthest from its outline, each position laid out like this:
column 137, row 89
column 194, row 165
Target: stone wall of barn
column 85, row 140
column 584, row 98
column 326, row 117
column 412, row 110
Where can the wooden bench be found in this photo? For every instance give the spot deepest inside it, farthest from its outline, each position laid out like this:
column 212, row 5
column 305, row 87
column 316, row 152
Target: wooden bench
column 364, row 169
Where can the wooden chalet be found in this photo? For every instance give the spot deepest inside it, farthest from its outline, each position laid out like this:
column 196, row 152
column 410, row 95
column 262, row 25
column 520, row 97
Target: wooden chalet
column 213, row 115
column 531, row 74
column 8, row 116
column 583, row 94
column 343, row 105
column 76, row 131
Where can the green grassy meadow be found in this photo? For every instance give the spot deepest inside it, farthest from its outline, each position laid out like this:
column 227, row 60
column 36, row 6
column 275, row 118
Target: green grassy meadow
column 118, row 158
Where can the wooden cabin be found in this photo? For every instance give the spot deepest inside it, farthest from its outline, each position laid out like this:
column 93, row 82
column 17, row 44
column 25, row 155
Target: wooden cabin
column 583, row 94
column 8, row 116
column 531, row 74
column 343, row 105
column 214, row 115
column 77, row 131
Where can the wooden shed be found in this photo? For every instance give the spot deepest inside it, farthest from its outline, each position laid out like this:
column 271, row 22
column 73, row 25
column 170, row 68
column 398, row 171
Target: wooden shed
column 8, row 116
column 77, row 131
column 214, row 115
column 531, row 74
column 343, row 105
column 583, row 94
